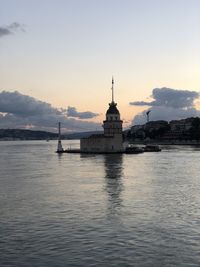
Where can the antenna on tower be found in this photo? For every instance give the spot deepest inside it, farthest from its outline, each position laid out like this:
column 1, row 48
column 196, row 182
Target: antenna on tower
column 112, row 88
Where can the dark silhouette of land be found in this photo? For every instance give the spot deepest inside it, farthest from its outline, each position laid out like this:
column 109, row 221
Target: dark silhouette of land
column 21, row 134
column 173, row 132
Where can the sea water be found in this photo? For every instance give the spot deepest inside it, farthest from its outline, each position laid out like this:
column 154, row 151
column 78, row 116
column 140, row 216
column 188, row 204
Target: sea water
column 98, row 210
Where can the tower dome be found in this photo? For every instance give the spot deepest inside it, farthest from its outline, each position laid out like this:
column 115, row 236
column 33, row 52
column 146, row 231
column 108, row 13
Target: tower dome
column 113, row 124
column 112, row 109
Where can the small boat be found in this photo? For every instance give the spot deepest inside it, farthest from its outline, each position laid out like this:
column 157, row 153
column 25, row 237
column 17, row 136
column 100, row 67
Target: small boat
column 152, row 148
column 133, row 150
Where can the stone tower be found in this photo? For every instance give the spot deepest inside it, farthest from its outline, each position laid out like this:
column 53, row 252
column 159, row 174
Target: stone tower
column 111, row 140
column 113, row 124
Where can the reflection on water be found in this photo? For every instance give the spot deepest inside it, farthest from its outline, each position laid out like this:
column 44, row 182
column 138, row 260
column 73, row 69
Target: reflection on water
column 113, row 166
column 113, row 178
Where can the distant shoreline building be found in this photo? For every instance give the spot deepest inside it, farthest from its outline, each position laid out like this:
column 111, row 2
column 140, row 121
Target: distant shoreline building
column 184, row 130
column 111, row 141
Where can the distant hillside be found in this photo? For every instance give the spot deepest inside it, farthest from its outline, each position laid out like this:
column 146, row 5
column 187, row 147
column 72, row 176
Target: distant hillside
column 19, row 134
column 80, row 135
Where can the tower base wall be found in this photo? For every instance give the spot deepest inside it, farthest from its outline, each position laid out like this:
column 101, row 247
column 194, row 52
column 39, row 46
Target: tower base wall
column 102, row 144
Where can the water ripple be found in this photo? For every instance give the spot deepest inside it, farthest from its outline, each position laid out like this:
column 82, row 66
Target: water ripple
column 113, row 210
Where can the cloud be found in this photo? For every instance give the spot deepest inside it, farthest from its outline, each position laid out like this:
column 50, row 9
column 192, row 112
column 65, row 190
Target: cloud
column 4, row 31
column 141, row 103
column 11, row 29
column 170, row 98
column 23, row 105
column 72, row 112
column 168, row 104
column 22, row 111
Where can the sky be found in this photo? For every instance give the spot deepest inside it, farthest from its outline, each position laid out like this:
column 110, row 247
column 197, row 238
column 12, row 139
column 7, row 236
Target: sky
column 57, row 59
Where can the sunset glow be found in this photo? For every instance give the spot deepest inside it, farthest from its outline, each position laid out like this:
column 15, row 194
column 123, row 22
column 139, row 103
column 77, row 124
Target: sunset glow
column 65, row 52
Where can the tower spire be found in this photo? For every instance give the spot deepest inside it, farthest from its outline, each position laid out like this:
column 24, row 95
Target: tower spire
column 112, row 88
